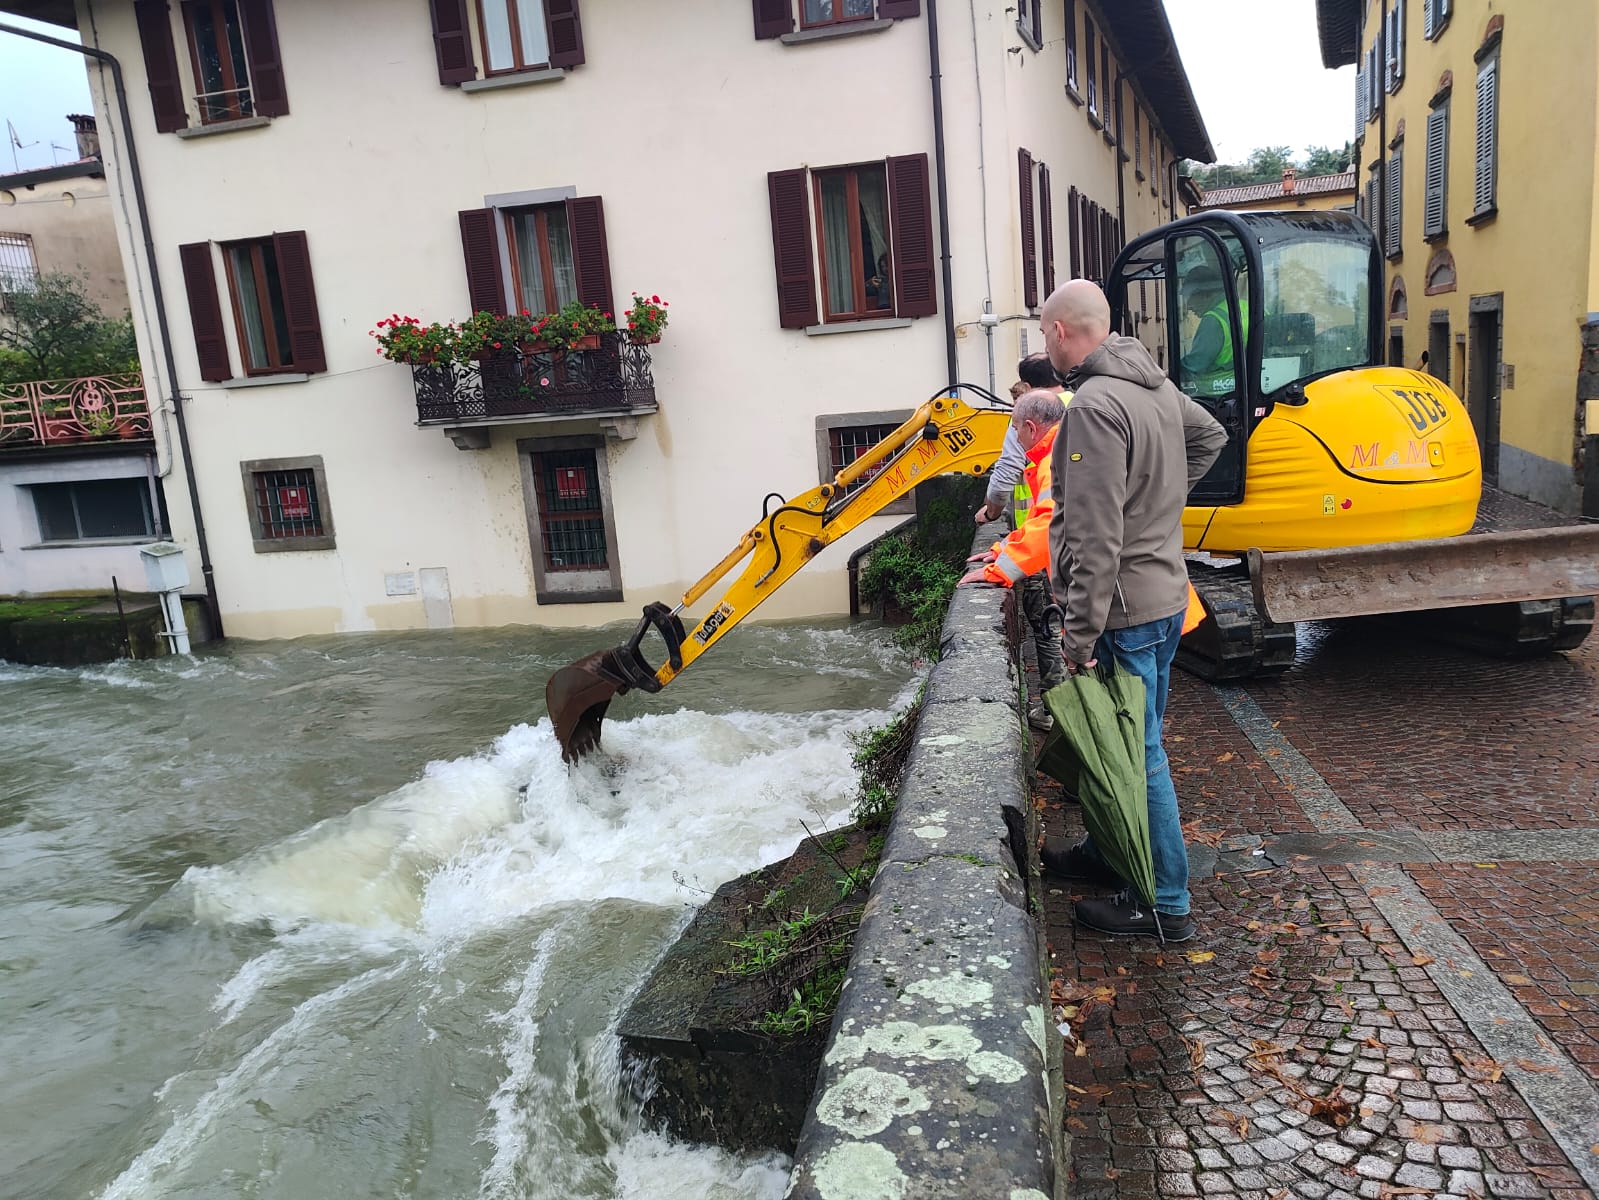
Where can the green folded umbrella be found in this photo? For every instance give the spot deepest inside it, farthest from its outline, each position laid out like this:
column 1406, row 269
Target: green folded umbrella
column 1096, row 750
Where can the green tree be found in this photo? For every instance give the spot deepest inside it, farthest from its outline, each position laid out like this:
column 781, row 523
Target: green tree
column 52, row 330
column 1266, row 164
column 1327, row 160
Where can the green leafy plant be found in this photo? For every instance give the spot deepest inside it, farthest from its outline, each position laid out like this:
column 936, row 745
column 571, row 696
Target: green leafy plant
column 880, row 755
column 407, row 340
column 810, row 1004
column 574, row 321
column 646, row 318
column 902, row 575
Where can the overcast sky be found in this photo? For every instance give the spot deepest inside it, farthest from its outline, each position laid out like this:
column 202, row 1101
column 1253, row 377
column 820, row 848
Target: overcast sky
column 1254, row 66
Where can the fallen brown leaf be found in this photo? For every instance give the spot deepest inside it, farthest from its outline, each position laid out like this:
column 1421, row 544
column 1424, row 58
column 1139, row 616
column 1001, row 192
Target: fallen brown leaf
column 1373, row 1043
column 1421, row 960
column 1486, row 1067
column 1200, row 956
column 1228, row 757
column 1196, row 1051
column 1526, row 1064
column 1238, row 1124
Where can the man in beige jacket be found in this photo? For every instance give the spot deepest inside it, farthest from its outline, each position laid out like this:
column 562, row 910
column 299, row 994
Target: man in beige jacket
column 1128, row 451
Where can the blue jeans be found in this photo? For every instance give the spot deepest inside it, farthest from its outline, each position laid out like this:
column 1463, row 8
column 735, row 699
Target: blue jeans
column 1147, row 651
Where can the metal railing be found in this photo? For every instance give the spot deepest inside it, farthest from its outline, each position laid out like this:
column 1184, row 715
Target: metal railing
column 51, row 412
column 233, row 104
column 614, row 377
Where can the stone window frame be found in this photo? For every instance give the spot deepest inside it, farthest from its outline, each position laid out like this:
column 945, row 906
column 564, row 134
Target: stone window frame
column 599, row 586
column 250, row 468
column 827, row 422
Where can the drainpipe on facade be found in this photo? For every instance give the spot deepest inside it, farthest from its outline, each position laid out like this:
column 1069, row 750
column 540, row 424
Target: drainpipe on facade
column 213, row 611
column 941, row 170
column 1382, row 157
column 1121, row 165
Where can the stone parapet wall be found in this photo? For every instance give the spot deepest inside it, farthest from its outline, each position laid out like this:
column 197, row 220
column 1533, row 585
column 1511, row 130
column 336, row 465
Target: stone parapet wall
column 936, row 1080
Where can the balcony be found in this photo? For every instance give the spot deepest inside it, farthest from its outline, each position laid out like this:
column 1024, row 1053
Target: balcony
column 73, row 412
column 518, row 386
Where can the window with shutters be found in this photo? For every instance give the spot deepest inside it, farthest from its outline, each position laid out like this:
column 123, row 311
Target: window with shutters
column 1089, row 62
column 87, row 510
column 814, row 13
column 1486, row 193
column 1138, row 141
column 1108, row 91
column 216, row 50
column 543, row 268
column 1435, row 202
column 259, row 313
column 873, row 235
column 287, row 501
column 567, row 493
column 536, row 38
column 1071, row 48
column 1436, row 15
column 1393, row 204
column 273, row 298
column 515, row 35
column 1029, row 229
column 1030, row 22
column 1394, row 47
column 857, row 259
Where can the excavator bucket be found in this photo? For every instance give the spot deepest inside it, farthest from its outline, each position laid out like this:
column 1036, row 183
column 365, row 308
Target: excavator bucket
column 576, row 698
column 577, row 695
column 1456, row 572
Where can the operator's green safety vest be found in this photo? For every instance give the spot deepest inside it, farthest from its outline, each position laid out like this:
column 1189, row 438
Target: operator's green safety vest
column 1220, row 379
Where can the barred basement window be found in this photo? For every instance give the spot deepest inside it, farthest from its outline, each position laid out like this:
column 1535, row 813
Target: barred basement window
column 571, row 515
column 841, row 438
column 287, row 499
column 566, row 490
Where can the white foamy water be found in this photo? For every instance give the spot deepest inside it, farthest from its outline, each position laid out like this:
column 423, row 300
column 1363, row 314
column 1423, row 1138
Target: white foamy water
column 413, row 883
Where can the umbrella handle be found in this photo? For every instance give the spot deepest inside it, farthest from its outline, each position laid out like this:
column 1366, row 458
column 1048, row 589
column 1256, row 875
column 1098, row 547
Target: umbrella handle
column 1055, row 621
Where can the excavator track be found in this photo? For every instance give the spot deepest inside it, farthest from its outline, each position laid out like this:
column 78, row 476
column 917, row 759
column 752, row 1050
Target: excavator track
column 1528, row 629
column 1234, row 641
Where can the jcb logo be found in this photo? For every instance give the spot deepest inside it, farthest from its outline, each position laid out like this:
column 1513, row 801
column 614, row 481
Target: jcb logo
column 958, row 439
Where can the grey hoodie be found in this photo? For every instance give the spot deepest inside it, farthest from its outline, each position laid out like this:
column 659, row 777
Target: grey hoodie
column 1128, row 451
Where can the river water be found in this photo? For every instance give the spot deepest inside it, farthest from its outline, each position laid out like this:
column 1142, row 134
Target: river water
column 330, row 918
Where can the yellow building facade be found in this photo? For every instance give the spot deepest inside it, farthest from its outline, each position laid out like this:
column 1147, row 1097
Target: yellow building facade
column 1479, row 172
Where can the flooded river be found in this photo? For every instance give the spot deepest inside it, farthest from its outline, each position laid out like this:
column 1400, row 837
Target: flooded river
column 330, row 918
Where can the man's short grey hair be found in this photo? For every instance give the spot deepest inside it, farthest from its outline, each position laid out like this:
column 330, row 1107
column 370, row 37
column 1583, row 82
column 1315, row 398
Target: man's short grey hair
column 1041, row 406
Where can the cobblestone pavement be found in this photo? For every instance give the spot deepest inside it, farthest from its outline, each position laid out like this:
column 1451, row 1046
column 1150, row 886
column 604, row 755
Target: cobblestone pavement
column 1395, row 988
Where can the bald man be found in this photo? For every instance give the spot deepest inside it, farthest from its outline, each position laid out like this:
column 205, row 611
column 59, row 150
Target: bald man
column 1129, row 449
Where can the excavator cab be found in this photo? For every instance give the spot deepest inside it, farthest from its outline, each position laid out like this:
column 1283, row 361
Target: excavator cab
column 1346, row 484
column 1243, row 310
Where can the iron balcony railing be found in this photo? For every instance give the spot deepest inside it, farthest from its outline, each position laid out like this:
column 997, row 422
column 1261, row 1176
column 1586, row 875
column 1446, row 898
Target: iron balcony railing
column 614, row 377
column 60, row 412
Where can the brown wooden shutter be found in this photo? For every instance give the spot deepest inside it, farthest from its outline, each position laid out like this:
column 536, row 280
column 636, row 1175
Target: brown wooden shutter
column 205, row 311
column 299, row 301
column 267, row 89
column 1024, row 173
column 566, row 35
column 485, row 283
column 452, row 42
column 161, row 66
column 1046, row 229
column 585, row 217
column 773, row 18
column 1074, row 232
column 910, row 228
column 791, row 248
column 898, row 10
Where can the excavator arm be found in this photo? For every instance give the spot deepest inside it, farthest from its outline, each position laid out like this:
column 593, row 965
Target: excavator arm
column 942, row 437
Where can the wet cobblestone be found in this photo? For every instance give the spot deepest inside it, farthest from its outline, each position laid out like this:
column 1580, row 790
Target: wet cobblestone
column 1298, row 1047
column 1537, row 925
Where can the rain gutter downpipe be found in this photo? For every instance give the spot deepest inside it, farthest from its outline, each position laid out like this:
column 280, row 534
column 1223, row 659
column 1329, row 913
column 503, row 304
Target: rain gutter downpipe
column 213, row 611
column 1121, row 166
column 940, row 168
column 1381, row 157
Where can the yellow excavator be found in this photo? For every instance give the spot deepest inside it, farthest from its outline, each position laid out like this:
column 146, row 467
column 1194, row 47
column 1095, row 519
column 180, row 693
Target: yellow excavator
column 1347, row 488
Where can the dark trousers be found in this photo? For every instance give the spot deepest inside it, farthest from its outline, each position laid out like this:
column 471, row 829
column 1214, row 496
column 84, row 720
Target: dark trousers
column 1036, row 597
